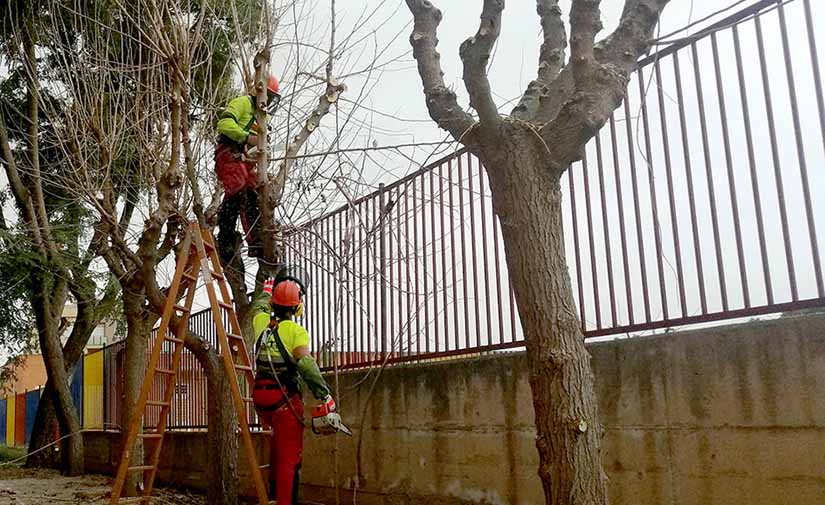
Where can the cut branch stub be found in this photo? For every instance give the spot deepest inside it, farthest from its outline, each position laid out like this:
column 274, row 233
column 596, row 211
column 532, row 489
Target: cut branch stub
column 475, row 55
column 441, row 101
column 581, row 117
column 551, row 58
column 585, row 23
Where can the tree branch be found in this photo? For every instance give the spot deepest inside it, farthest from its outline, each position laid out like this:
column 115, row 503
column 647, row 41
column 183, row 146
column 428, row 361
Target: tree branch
column 632, row 38
column 585, row 23
column 475, row 54
column 166, row 184
column 112, row 260
column 585, row 107
column 39, row 202
column 622, row 49
column 325, row 102
column 18, row 189
column 173, row 225
column 551, row 57
column 441, row 101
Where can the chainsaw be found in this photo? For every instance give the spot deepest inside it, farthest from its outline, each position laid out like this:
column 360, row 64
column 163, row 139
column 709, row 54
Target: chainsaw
column 325, row 421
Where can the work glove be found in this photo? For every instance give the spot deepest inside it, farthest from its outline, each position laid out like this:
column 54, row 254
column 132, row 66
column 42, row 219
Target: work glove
column 329, row 403
column 269, row 285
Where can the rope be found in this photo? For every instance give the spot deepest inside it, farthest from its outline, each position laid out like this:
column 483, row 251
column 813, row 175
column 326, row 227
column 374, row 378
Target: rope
column 7, row 463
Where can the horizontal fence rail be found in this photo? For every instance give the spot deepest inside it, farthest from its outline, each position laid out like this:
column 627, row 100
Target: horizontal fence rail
column 693, row 204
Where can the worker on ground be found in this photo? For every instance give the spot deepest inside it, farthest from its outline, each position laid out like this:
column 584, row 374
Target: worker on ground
column 283, row 366
column 237, row 132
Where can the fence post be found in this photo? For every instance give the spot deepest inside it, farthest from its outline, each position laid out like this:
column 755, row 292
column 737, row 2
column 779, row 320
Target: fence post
column 382, row 259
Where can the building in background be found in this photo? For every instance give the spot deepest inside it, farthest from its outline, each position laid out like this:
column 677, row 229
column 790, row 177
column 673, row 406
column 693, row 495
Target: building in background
column 102, row 335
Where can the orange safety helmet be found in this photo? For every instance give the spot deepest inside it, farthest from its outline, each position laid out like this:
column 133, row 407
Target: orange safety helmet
column 273, row 86
column 287, row 293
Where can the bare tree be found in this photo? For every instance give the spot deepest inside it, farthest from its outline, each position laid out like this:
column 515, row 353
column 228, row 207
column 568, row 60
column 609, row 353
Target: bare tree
column 137, row 85
column 525, row 155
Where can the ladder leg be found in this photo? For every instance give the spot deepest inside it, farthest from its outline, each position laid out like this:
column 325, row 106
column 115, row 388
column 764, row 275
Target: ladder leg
column 139, row 408
column 166, row 410
column 229, row 362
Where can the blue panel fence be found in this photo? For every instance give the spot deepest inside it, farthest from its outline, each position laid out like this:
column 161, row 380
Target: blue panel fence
column 32, row 401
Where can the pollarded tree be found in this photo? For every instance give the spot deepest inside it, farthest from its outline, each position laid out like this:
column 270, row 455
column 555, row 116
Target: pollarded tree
column 525, row 155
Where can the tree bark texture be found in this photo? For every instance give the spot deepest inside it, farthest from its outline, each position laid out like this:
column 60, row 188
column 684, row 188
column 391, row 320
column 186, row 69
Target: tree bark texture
column 52, row 352
column 46, row 426
column 527, row 198
column 222, row 438
column 43, row 433
column 137, row 342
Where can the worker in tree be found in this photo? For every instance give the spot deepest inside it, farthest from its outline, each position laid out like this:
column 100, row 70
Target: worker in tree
column 283, row 366
column 236, row 169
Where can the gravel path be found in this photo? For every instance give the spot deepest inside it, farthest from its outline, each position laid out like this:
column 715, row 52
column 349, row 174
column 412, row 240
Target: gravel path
column 23, row 486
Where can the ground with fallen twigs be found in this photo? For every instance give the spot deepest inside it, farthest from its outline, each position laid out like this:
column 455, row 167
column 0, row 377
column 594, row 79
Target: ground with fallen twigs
column 24, row 486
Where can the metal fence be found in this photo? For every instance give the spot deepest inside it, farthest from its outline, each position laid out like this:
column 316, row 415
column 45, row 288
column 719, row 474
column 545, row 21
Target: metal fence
column 693, row 204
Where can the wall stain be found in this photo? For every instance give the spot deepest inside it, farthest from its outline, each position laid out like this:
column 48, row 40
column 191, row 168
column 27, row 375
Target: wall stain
column 741, row 361
column 705, row 480
column 436, row 381
column 768, row 369
column 508, row 382
column 696, row 383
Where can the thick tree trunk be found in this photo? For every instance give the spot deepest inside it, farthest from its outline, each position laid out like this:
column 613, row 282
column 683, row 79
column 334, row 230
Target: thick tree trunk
column 43, row 433
column 46, row 428
column 137, row 341
column 527, row 197
column 56, row 372
column 222, row 439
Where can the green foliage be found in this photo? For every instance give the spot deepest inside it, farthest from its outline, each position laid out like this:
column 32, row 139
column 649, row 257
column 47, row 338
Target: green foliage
column 17, row 262
column 11, row 453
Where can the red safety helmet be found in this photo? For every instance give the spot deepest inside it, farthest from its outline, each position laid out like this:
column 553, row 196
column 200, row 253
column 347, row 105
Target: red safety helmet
column 273, row 86
column 287, row 293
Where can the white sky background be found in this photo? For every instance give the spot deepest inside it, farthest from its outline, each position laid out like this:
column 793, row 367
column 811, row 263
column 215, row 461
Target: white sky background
column 513, row 65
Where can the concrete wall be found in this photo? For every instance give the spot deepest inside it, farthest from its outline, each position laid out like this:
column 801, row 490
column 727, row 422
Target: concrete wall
column 729, row 415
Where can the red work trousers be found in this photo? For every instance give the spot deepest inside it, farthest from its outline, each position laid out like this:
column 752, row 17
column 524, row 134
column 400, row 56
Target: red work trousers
column 287, row 443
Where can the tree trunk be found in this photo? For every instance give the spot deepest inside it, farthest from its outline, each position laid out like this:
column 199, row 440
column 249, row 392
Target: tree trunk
column 137, row 342
column 56, row 372
column 46, row 428
column 527, row 198
column 43, row 433
column 222, row 438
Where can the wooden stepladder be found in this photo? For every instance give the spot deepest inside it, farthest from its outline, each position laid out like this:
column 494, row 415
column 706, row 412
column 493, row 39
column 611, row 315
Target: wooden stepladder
column 198, row 258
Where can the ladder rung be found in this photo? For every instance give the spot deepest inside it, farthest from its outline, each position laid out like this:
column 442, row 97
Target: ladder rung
column 217, row 275
column 182, row 308
column 188, row 275
column 247, row 399
column 141, row 468
column 164, row 371
column 157, row 403
column 227, row 306
column 232, row 336
column 134, row 499
column 173, row 339
column 207, row 244
column 150, row 435
column 243, row 367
